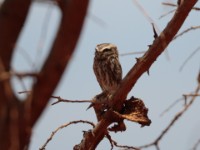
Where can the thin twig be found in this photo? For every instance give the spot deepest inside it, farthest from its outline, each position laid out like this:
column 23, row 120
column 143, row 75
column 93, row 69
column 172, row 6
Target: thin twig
column 185, row 96
column 174, row 5
column 97, row 20
column 59, row 99
column 196, row 145
column 176, row 117
column 22, row 92
column 43, row 33
column 125, row 146
column 189, row 95
column 132, row 53
column 170, row 106
column 26, row 56
column 185, row 31
column 167, row 13
column 169, row 4
column 110, row 140
column 63, row 126
column 113, row 142
column 189, row 57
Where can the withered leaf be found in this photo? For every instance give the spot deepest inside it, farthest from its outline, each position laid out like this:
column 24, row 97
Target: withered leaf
column 135, row 110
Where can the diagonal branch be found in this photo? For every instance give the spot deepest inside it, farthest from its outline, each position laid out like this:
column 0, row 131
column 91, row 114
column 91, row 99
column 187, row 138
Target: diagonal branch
column 143, row 64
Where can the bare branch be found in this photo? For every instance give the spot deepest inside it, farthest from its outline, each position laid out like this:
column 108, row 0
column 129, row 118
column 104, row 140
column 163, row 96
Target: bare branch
column 189, row 57
column 59, row 99
column 43, row 33
column 176, row 117
column 97, row 20
column 191, row 95
column 170, row 4
column 170, row 106
column 25, row 55
column 63, row 126
column 167, row 13
column 185, row 96
column 124, row 146
column 174, row 5
column 132, row 53
column 196, row 145
column 187, row 30
column 22, row 92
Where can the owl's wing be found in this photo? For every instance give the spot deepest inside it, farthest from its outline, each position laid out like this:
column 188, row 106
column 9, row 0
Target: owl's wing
column 116, row 69
column 98, row 67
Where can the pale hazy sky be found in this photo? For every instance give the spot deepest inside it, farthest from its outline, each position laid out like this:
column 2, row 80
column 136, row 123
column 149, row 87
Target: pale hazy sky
column 119, row 22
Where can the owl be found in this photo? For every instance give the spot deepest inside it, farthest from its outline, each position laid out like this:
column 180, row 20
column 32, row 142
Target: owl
column 107, row 67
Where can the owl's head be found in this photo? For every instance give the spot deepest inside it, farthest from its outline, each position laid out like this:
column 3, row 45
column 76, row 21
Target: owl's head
column 105, row 50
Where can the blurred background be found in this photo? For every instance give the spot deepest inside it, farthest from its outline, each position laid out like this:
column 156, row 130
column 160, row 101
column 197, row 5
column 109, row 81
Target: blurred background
column 124, row 24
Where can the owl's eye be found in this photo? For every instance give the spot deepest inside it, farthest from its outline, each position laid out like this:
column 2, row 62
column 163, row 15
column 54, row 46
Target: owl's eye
column 106, row 50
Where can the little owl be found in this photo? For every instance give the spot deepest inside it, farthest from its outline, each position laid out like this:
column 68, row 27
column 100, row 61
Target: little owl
column 107, row 67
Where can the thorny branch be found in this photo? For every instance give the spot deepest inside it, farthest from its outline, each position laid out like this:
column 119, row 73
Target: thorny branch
column 63, row 126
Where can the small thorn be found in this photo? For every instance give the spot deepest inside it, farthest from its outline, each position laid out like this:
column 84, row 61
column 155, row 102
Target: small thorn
column 154, row 31
column 148, row 72
column 149, row 45
column 137, row 59
column 91, row 105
